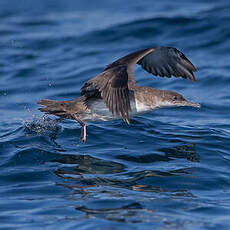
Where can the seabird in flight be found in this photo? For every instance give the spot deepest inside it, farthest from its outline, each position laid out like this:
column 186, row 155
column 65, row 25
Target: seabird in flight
column 114, row 94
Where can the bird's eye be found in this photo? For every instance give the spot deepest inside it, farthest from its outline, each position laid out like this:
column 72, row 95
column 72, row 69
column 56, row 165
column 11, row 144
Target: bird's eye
column 175, row 98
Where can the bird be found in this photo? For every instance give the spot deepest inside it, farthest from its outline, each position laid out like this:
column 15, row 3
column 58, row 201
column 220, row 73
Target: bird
column 114, row 93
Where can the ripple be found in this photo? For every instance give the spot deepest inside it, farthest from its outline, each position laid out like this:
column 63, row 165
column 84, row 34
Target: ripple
column 168, row 169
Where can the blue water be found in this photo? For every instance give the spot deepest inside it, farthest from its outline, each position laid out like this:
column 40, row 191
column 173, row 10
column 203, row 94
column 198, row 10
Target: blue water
column 170, row 169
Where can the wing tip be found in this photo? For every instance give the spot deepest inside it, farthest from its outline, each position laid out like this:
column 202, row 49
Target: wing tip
column 191, row 76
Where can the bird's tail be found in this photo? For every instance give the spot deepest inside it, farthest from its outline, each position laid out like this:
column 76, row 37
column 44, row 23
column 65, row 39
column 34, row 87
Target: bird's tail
column 52, row 107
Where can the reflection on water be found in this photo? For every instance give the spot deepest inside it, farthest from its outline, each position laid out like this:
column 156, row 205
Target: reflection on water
column 121, row 210
column 92, row 177
column 85, row 164
column 108, row 181
column 186, row 151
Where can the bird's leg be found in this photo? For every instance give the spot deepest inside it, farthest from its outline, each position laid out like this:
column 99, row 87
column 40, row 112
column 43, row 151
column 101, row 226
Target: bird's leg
column 83, row 128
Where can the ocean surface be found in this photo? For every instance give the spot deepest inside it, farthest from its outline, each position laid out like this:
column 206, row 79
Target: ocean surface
column 169, row 169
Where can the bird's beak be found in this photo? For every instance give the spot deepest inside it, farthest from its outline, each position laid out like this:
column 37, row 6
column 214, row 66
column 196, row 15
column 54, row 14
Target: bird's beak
column 192, row 104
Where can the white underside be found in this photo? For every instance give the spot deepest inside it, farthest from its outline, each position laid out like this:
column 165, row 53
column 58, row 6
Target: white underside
column 99, row 112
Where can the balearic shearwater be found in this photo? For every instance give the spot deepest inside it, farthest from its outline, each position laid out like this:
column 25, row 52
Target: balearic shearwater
column 114, row 93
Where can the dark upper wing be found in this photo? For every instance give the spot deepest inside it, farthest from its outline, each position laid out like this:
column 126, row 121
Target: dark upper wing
column 167, row 61
column 161, row 61
column 112, row 83
column 131, row 59
column 112, row 86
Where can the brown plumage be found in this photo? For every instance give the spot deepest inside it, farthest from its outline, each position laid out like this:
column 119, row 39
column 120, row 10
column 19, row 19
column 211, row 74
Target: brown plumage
column 117, row 88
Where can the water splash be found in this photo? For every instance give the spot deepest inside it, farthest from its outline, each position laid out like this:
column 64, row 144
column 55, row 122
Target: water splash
column 40, row 125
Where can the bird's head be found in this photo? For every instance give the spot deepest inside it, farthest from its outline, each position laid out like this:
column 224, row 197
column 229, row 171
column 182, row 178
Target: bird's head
column 170, row 98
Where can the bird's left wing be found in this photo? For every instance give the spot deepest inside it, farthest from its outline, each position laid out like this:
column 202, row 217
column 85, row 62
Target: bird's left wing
column 112, row 85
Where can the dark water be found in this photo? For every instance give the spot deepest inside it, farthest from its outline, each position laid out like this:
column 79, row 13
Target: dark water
column 169, row 169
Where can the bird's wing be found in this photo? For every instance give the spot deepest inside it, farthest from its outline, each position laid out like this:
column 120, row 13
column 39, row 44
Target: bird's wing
column 161, row 61
column 112, row 86
column 168, row 61
column 130, row 59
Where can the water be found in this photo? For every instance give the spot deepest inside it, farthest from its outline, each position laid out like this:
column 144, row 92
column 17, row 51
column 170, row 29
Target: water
column 168, row 170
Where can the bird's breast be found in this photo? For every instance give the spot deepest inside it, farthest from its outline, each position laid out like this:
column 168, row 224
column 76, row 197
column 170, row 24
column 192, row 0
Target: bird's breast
column 139, row 107
column 99, row 112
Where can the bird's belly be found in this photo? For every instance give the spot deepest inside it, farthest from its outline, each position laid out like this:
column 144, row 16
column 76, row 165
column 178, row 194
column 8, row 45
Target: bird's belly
column 99, row 112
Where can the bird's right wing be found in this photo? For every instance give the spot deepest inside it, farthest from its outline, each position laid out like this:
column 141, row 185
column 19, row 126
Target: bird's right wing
column 168, row 61
column 160, row 61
